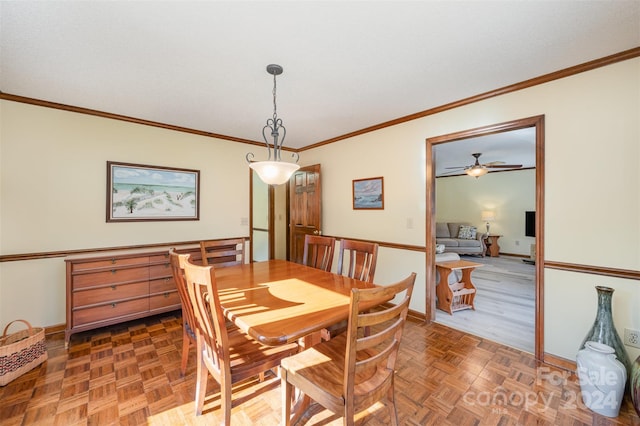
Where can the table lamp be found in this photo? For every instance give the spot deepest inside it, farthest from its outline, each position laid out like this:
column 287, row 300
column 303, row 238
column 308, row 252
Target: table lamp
column 488, row 216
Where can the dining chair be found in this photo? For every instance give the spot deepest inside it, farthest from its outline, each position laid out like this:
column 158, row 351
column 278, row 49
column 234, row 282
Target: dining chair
column 177, row 262
column 318, row 251
column 228, row 355
column 362, row 258
column 351, row 372
column 222, row 253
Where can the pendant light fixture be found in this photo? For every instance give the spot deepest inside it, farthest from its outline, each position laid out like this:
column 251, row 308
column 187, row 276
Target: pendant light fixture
column 276, row 171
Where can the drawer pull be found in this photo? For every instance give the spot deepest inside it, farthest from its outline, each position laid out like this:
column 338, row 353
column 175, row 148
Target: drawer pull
column 114, row 260
column 113, row 305
column 113, row 271
column 167, row 279
column 113, row 287
column 166, row 294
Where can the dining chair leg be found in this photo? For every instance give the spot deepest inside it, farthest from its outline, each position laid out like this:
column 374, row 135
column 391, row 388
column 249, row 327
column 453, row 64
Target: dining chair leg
column 225, row 399
column 186, row 343
column 391, row 403
column 201, row 383
column 286, row 398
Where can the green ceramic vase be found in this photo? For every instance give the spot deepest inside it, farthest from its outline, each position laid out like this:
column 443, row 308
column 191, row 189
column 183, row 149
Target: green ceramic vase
column 604, row 331
column 635, row 385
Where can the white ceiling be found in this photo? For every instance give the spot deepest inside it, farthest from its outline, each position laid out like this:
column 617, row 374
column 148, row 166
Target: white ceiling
column 347, row 65
column 512, row 147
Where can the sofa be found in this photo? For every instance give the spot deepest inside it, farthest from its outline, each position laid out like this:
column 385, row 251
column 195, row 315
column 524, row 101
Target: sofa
column 469, row 241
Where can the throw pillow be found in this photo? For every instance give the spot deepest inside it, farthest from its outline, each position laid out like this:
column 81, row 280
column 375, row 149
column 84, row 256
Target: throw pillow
column 467, row 232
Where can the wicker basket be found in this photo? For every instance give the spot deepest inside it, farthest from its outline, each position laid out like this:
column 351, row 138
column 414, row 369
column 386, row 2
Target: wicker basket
column 21, row 351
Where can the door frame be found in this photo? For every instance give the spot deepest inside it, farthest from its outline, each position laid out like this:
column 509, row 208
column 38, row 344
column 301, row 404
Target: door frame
column 273, row 230
column 430, row 226
column 271, row 220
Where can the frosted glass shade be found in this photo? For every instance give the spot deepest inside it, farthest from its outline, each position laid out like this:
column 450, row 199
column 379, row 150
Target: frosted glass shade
column 477, row 171
column 274, row 172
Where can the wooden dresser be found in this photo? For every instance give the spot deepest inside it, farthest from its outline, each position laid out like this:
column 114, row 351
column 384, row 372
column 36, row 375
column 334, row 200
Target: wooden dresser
column 106, row 289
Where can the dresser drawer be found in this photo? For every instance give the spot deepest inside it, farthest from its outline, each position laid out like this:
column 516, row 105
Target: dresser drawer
column 160, row 271
column 113, row 276
column 110, row 262
column 110, row 311
column 108, row 294
column 161, row 285
column 164, row 300
column 159, row 258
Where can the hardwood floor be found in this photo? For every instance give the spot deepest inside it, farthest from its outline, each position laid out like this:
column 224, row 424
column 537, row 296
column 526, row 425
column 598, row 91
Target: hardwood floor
column 504, row 304
column 129, row 374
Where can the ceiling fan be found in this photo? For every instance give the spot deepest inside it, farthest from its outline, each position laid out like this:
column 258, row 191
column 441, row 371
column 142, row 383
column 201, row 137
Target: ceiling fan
column 476, row 170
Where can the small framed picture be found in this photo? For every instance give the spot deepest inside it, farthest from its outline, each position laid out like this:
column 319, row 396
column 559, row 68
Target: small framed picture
column 368, row 194
column 136, row 192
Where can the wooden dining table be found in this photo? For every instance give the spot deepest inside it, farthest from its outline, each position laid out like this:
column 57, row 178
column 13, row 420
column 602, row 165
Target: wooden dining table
column 277, row 301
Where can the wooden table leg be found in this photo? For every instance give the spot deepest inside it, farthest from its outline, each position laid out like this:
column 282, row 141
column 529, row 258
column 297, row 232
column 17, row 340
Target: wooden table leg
column 443, row 291
column 466, row 279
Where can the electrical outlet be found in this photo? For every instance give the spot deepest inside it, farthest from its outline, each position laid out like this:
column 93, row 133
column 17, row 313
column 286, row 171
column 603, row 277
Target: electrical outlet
column 632, row 337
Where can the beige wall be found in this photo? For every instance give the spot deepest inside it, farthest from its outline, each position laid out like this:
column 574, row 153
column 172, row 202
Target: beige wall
column 507, row 194
column 592, row 191
column 52, row 172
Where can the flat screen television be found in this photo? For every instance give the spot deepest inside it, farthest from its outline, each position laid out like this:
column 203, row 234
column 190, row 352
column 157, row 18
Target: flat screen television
column 530, row 224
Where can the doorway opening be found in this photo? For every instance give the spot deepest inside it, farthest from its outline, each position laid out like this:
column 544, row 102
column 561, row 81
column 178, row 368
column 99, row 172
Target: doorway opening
column 268, row 221
column 536, row 123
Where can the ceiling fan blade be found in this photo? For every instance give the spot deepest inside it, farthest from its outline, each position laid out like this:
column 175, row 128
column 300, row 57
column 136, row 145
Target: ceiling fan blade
column 504, row 166
column 451, row 172
column 457, row 167
column 493, row 163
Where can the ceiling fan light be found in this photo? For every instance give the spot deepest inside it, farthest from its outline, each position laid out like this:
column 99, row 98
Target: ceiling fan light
column 477, row 171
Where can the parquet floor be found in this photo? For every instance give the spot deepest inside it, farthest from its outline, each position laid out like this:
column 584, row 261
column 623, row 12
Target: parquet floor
column 129, row 374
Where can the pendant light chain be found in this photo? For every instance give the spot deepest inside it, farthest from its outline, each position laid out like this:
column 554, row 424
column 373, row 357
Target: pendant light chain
column 275, row 107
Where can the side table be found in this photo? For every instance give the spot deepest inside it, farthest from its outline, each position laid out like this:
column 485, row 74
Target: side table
column 460, row 295
column 493, row 249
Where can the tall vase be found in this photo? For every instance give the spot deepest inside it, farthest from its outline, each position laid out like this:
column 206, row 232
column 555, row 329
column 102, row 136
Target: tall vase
column 602, row 379
column 635, row 385
column 603, row 329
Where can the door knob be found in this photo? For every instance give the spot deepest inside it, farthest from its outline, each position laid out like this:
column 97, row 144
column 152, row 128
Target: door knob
column 316, row 232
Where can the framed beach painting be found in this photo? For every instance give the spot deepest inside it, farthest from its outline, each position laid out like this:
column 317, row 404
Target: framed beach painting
column 136, row 192
column 368, row 194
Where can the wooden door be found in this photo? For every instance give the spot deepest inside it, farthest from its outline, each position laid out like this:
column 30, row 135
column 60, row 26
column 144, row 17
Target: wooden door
column 305, row 208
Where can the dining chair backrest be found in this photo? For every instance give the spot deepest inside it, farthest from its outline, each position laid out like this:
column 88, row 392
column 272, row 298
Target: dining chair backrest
column 351, row 372
column 370, row 359
column 362, row 257
column 210, row 322
column 318, row 251
column 222, row 253
column 177, row 262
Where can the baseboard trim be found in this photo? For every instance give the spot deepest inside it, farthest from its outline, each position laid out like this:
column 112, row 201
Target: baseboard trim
column 54, row 329
column 559, row 362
